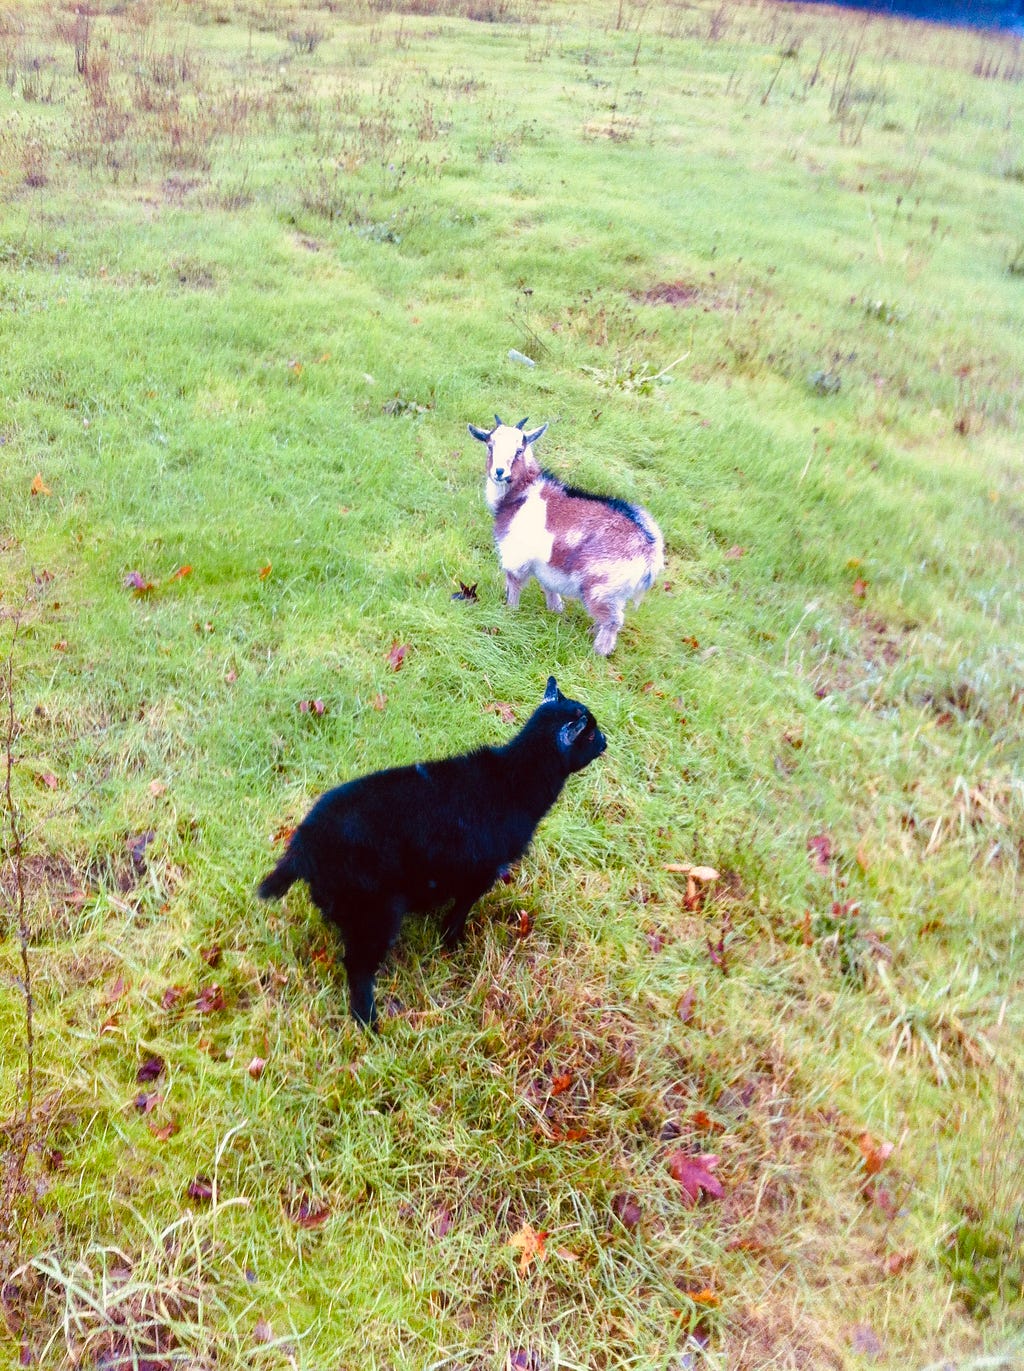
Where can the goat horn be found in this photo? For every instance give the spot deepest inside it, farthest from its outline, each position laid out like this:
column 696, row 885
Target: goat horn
column 497, row 420
column 522, row 422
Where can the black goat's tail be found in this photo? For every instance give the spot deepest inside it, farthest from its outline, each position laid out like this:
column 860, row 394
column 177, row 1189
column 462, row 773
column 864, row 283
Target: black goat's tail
column 283, row 876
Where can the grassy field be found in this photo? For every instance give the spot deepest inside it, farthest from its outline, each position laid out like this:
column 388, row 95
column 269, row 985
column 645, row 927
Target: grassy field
column 259, row 265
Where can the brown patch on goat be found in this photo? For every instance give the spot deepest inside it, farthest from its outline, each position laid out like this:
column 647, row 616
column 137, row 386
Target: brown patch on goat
column 600, row 525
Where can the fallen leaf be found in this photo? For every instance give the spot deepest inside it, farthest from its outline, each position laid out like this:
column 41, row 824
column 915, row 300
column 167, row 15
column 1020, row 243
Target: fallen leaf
column 442, row 1224
column 262, row 1332
column 211, row 955
column 316, row 707
column 200, row 1189
column 896, row 1262
column 859, row 588
column 380, row 702
column 39, row 486
column 295, row 366
column 503, row 709
column 137, row 583
column 231, row 676
column 707, row 1297
column 157, row 788
column 48, row 779
column 396, row 655
column 150, row 1070
column 283, row 834
column 882, row 1199
column 626, row 1209
column 145, row 1102
column 61, row 645
column 309, row 1213
column 684, row 1006
column 163, row 1131
column 265, row 571
column 735, row 553
column 716, row 951
column 180, row 574
column 255, row 1067
column 137, row 845
column 115, row 990
column 561, row 1083
column 820, row 852
column 210, row 999
column 702, row 1119
column 530, row 1242
column 466, row 592
column 171, row 996
column 525, row 925
column 875, row 1154
column 694, row 1175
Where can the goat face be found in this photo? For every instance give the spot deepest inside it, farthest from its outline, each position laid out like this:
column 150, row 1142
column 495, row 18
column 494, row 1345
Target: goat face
column 510, row 460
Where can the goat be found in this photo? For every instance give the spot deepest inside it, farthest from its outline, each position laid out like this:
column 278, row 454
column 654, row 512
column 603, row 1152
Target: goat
column 587, row 547
column 416, row 838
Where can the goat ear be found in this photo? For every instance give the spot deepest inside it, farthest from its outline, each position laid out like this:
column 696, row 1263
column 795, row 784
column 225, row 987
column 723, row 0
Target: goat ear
column 537, row 433
column 480, row 433
column 552, row 693
column 569, row 732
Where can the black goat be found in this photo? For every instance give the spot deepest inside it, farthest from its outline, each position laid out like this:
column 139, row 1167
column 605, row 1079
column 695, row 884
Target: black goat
column 416, row 838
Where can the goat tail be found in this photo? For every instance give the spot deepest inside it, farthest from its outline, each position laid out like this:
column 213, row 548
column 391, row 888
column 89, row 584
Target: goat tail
column 288, row 870
column 656, row 556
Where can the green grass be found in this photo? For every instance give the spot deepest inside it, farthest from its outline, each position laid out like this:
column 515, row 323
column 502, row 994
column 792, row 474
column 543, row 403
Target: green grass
column 250, row 295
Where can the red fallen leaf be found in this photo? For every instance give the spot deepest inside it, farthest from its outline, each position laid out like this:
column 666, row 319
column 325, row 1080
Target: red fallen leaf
column 525, row 925
column 262, row 1332
column 201, row 1189
column 859, row 588
column 180, row 574
column 875, row 1154
column 309, row 1213
column 231, row 676
column 210, row 998
column 896, row 1262
column 47, row 779
column 735, row 553
column 163, row 1131
column 150, row 1070
column 255, row 1067
column 820, row 852
column 703, row 1120
column 137, row 583
column 146, row 1103
column 694, row 1175
column 211, row 955
column 115, row 990
column 311, row 707
column 171, row 996
column 530, row 1242
column 39, row 486
column 442, row 1224
column 626, row 1209
column 558, row 1134
column 561, row 1083
column 380, row 702
column 26, row 1357
column 882, row 1199
column 655, row 941
column 503, row 709
column 684, row 1008
column 691, row 643
column 61, row 645
column 265, row 571
column 283, row 834
column 466, row 592
column 396, row 655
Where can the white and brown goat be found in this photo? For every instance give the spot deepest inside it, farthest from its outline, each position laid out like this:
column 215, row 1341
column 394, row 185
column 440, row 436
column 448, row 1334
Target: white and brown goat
column 593, row 548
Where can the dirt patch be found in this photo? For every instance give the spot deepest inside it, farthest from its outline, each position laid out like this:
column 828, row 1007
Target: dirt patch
column 681, row 294
column 759, row 1340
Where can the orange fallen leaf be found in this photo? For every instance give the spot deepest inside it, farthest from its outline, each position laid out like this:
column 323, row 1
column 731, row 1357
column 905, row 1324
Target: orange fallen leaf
column 875, row 1154
column 265, row 571
column 180, row 574
column 39, row 486
column 530, row 1242
column 560, row 1084
column 503, row 709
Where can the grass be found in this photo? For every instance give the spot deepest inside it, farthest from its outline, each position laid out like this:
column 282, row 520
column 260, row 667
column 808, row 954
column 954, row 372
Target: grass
column 259, row 265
